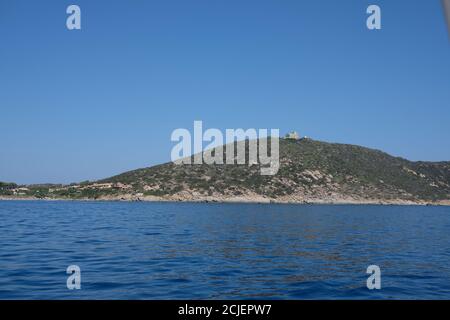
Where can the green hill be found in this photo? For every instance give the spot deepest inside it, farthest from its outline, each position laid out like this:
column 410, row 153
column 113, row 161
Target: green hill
column 310, row 171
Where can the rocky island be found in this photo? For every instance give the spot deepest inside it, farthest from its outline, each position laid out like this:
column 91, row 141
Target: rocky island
column 310, row 172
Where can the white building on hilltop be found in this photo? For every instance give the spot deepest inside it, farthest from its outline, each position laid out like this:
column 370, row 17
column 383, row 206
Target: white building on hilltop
column 292, row 135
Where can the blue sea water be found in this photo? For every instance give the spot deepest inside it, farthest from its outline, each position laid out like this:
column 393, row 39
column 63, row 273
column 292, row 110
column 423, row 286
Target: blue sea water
column 222, row 251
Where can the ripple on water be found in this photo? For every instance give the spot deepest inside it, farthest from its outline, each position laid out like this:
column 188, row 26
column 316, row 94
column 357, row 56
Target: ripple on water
column 222, row 251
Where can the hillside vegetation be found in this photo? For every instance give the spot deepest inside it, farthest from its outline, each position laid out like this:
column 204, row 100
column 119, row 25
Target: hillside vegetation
column 310, row 171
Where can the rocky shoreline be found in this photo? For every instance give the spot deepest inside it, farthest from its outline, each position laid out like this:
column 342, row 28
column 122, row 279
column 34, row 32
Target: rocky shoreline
column 251, row 200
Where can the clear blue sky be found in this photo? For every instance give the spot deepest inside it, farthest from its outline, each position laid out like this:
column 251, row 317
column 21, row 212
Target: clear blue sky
column 78, row 105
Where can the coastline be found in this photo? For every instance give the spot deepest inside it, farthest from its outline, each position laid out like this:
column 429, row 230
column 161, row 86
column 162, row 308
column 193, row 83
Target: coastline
column 242, row 200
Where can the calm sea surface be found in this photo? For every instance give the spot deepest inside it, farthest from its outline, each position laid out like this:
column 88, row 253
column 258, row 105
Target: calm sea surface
column 222, row 251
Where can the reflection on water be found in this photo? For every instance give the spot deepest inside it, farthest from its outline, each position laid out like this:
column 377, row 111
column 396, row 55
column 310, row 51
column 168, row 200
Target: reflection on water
column 222, row 251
